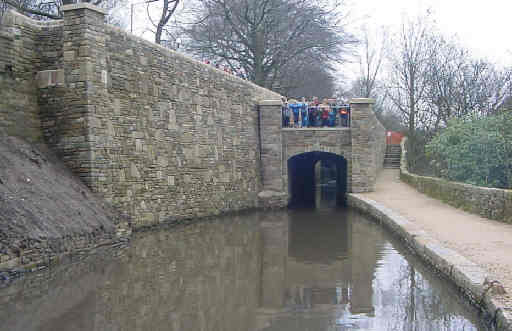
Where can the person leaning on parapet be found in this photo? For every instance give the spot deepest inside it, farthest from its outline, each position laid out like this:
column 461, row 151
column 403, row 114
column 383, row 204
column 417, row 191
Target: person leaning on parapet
column 343, row 110
column 325, row 113
column 318, row 112
column 304, row 112
column 332, row 112
column 312, row 109
column 285, row 112
column 294, row 107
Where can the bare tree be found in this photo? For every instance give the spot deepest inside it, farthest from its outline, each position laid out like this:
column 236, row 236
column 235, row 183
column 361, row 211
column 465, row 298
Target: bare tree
column 263, row 38
column 167, row 11
column 459, row 85
column 370, row 63
column 414, row 48
column 36, row 8
column 307, row 79
column 50, row 9
column 408, row 84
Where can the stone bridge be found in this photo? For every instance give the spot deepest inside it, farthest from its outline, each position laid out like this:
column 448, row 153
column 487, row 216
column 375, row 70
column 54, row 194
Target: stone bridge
column 288, row 155
column 161, row 136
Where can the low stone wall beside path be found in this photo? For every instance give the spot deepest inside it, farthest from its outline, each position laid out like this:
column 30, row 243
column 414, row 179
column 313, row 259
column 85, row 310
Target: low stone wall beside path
column 491, row 203
column 470, row 278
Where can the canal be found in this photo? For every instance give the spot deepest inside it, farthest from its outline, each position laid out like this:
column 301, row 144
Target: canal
column 322, row 268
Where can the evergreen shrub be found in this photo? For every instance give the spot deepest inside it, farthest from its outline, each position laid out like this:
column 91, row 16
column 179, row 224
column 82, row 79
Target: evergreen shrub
column 475, row 150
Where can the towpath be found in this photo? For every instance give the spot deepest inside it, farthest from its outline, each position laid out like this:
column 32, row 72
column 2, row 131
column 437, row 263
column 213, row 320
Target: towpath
column 486, row 242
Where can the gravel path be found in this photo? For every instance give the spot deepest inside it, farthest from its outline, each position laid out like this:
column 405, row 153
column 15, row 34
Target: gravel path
column 483, row 241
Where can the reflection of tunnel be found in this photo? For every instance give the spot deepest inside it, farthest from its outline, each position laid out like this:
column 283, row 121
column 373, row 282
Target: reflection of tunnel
column 301, row 176
column 314, row 243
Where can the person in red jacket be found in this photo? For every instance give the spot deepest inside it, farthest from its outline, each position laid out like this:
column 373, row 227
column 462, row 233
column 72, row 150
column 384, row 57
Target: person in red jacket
column 344, row 109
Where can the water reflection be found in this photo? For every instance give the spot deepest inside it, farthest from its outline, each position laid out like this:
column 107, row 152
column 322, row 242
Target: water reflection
column 299, row 270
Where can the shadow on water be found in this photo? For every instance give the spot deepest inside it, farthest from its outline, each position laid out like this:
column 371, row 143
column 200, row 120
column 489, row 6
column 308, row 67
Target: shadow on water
column 305, row 269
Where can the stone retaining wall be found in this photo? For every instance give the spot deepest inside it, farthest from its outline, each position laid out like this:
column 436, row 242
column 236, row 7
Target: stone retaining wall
column 491, row 203
column 174, row 138
column 26, row 46
column 157, row 134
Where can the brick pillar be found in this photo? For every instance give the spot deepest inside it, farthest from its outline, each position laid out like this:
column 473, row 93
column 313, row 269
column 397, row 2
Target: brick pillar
column 363, row 163
column 273, row 194
column 85, row 81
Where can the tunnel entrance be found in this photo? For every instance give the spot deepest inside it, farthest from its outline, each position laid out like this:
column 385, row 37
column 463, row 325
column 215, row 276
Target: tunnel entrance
column 314, row 175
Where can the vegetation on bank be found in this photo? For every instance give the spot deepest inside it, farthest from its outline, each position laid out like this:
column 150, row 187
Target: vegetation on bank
column 474, row 150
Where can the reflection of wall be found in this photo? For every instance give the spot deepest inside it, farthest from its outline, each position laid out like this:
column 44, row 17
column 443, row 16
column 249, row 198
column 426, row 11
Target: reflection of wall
column 58, row 299
column 363, row 267
column 330, row 263
column 202, row 277
column 319, row 260
column 213, row 277
column 274, row 266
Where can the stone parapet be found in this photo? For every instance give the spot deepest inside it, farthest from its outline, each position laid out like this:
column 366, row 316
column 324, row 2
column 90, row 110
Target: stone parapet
column 368, row 145
column 365, row 101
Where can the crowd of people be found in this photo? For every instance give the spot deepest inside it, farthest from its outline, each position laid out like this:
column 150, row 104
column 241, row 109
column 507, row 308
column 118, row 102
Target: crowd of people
column 304, row 114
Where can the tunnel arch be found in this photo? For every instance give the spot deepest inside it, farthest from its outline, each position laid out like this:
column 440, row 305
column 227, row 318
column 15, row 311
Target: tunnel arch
column 301, row 177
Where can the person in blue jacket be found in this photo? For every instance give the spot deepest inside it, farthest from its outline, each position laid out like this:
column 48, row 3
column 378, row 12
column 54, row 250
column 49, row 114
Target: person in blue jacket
column 304, row 113
column 332, row 116
column 295, row 107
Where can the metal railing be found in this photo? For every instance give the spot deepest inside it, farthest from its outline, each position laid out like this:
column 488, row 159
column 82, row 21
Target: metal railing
column 303, row 115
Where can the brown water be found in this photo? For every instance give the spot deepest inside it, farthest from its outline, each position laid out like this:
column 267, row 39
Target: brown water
column 317, row 270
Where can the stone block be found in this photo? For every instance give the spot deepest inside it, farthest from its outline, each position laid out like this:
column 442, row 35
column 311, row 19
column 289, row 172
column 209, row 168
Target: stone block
column 49, row 78
column 69, row 55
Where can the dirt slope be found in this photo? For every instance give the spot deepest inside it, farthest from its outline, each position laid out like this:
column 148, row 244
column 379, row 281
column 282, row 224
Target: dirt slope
column 44, row 209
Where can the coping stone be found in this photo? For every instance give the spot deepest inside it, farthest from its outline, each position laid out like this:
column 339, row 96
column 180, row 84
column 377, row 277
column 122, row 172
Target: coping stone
column 83, row 5
column 362, row 101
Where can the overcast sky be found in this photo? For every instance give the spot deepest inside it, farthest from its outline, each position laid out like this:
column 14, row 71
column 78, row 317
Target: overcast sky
column 485, row 27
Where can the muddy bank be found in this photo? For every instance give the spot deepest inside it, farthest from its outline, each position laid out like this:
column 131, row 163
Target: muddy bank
column 46, row 211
